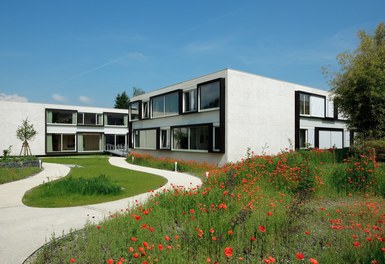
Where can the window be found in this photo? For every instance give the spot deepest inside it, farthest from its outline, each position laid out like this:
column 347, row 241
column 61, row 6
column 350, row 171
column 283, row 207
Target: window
column 134, row 110
column 145, row 110
column 165, row 105
column 304, row 103
column 165, row 139
column 61, row 142
column 217, row 140
column 61, row 117
column 89, row 142
column 90, row 119
column 116, row 119
column 189, row 101
column 303, row 142
column 209, row 95
column 191, row 138
column 145, row 139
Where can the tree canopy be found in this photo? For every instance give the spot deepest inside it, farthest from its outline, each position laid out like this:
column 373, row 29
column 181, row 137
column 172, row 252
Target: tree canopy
column 122, row 101
column 359, row 86
column 137, row 91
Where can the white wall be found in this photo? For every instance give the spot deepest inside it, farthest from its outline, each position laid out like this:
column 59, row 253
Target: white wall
column 11, row 116
column 259, row 114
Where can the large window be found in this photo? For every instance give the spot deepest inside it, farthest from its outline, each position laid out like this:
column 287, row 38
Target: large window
column 90, row 142
column 61, row 117
column 61, row 142
column 191, row 138
column 165, row 105
column 145, row 139
column 116, row 119
column 90, row 119
column 134, row 111
column 304, row 103
column 209, row 95
column 190, row 101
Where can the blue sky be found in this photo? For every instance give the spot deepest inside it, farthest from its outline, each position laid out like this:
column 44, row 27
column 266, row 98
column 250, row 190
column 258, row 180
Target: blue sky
column 85, row 52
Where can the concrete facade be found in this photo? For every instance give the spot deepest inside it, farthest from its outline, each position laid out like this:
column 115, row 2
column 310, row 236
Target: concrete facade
column 254, row 112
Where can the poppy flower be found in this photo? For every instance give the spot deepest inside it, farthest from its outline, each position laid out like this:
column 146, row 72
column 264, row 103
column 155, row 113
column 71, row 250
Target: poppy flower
column 228, row 252
column 133, row 239
column 160, row 247
column 269, row 213
column 299, row 256
column 110, row 261
column 145, row 244
column 136, row 255
column 131, row 249
column 72, row 260
column 98, row 227
column 167, row 238
column 313, row 261
column 356, row 244
column 262, row 228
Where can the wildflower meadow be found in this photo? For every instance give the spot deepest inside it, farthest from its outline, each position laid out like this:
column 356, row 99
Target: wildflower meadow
column 293, row 207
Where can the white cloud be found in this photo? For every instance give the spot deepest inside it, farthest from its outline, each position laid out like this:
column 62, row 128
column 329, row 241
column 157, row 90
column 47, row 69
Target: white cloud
column 59, row 98
column 13, row 97
column 84, row 99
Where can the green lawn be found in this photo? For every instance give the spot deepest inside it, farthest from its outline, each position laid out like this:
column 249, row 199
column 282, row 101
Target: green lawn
column 15, row 174
column 89, row 168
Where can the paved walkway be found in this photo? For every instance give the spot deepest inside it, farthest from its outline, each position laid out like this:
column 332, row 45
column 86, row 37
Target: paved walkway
column 24, row 229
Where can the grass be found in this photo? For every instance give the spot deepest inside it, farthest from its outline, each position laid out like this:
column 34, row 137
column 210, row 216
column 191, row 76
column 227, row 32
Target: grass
column 286, row 208
column 15, row 174
column 88, row 170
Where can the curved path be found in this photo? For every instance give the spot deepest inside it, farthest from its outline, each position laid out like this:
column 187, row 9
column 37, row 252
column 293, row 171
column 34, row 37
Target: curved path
column 24, row 229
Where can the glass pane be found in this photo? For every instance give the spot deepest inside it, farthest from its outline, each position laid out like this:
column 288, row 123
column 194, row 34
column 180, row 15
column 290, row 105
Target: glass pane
column 209, row 94
column 91, row 142
column 180, row 138
column 216, row 138
column 56, row 142
column 80, row 118
column 136, row 139
column 189, row 99
column 134, row 108
column 115, row 120
column 199, row 138
column 89, row 119
column 158, row 106
column 302, row 138
column 68, row 142
column 171, row 104
column 146, row 113
column 61, row 117
column 165, row 139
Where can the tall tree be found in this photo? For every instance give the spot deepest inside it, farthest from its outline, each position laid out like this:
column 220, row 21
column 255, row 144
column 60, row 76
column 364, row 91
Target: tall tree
column 122, row 101
column 137, row 91
column 359, row 86
column 25, row 132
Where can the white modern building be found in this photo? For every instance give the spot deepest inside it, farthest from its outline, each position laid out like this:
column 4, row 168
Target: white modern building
column 217, row 117
column 64, row 129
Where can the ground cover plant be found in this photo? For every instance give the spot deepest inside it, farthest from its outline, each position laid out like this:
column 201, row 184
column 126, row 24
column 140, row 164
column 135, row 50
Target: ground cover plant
column 15, row 174
column 287, row 208
column 91, row 180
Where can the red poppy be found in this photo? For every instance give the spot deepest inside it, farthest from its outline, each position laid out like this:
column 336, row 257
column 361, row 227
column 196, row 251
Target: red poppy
column 98, row 227
column 192, row 211
column 72, row 260
column 133, row 239
column 145, row 244
column 167, row 238
column 299, row 256
column 160, row 247
column 252, row 238
column 228, row 252
column 131, row 249
column 313, row 261
column 136, row 255
column 269, row 213
column 356, row 244
column 262, row 228
column 110, row 261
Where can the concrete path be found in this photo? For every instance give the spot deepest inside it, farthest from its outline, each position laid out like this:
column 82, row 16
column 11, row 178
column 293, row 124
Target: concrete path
column 24, row 229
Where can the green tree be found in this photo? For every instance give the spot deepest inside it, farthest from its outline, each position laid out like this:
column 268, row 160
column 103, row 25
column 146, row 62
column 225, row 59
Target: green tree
column 25, row 132
column 122, row 101
column 137, row 91
column 359, row 86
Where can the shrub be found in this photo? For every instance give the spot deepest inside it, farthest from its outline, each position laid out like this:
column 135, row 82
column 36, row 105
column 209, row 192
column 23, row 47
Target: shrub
column 101, row 185
column 366, row 147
